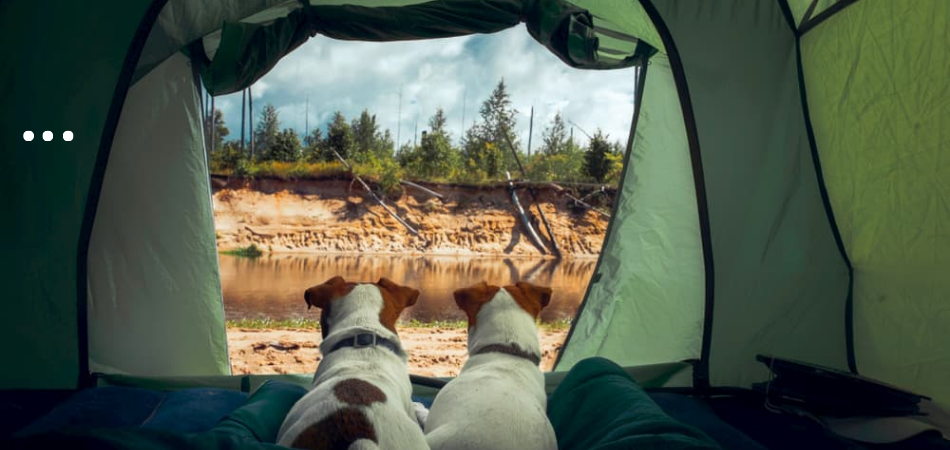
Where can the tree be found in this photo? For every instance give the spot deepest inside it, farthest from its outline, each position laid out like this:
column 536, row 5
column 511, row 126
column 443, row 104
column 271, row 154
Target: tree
column 286, row 147
column 313, row 145
column 555, row 137
column 436, row 157
column 485, row 146
column 228, row 159
column 385, row 146
column 339, row 138
column 596, row 161
column 498, row 118
column 220, row 131
column 365, row 137
column 265, row 136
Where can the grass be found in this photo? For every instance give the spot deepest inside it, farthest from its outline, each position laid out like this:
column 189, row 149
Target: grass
column 267, row 323
column 251, row 251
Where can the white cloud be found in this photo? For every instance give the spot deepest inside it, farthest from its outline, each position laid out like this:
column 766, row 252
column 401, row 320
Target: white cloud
column 448, row 73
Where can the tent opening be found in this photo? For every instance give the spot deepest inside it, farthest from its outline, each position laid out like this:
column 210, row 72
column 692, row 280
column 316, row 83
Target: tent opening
column 438, row 164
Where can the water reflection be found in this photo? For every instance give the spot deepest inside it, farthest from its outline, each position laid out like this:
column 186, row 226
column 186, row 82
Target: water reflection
column 273, row 285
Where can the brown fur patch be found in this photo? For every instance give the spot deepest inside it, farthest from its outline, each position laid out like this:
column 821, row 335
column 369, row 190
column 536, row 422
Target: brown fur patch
column 471, row 299
column 336, row 431
column 354, row 391
column 529, row 297
column 322, row 296
column 396, row 298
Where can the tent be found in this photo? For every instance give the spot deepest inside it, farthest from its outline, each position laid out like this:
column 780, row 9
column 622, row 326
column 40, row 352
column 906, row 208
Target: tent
column 786, row 193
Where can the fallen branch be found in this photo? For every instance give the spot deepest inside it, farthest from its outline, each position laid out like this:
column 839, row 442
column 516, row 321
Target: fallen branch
column 423, row 189
column 375, row 197
column 524, row 217
column 581, row 202
column 534, row 196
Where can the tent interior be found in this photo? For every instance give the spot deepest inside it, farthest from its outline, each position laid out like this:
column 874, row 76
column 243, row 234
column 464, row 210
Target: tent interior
column 787, row 202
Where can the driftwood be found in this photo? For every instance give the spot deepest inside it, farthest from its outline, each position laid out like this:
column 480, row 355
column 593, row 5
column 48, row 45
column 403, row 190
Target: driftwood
column 534, row 196
column 581, row 201
column 423, row 189
column 375, row 197
column 524, row 218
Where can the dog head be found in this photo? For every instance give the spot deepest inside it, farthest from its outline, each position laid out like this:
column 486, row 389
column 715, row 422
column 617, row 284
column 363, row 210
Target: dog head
column 358, row 303
column 529, row 297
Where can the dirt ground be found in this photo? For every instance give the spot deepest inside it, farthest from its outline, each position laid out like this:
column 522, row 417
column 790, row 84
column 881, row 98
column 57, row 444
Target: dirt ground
column 433, row 352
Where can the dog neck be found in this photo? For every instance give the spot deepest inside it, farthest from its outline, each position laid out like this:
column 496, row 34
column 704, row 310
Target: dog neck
column 502, row 324
column 358, row 313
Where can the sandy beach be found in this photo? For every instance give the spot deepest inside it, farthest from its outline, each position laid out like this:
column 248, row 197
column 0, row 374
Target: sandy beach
column 433, row 352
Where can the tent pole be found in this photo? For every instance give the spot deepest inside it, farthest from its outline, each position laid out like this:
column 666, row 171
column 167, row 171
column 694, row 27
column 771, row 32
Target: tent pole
column 211, row 126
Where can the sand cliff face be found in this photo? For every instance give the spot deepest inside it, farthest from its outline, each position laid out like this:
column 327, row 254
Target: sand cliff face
column 338, row 216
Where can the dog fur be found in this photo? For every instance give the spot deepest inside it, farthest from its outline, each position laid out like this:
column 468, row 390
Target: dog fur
column 360, row 398
column 498, row 400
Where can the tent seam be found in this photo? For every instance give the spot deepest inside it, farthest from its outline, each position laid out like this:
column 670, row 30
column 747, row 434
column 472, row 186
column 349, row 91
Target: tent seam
column 828, row 13
column 701, row 370
column 829, row 210
column 641, row 79
column 132, row 56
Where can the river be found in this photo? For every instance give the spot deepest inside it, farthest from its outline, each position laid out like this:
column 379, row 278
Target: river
column 273, row 285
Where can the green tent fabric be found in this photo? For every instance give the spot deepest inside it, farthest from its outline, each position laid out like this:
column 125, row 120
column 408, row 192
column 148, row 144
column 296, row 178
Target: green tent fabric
column 880, row 112
column 785, row 188
column 599, row 407
column 246, row 51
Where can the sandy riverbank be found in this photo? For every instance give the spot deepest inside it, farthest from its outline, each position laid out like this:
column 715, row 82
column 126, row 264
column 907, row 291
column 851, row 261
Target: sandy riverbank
column 336, row 216
column 432, row 351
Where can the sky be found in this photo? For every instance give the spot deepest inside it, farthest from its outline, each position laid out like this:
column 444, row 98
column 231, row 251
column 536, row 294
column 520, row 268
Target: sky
column 456, row 74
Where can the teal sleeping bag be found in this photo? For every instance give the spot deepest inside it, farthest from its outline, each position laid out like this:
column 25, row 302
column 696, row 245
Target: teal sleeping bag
column 251, row 426
column 599, row 407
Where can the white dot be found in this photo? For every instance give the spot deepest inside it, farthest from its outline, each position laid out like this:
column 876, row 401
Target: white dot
column 27, row 136
column 67, row 136
column 47, row 136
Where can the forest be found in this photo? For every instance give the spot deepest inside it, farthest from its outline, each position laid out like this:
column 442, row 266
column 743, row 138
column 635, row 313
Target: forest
column 487, row 151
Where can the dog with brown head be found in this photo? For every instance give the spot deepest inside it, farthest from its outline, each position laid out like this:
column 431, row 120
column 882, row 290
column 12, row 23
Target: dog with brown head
column 502, row 369
column 361, row 389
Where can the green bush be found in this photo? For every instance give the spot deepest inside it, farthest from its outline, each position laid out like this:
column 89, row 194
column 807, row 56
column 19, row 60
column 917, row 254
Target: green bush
column 251, row 251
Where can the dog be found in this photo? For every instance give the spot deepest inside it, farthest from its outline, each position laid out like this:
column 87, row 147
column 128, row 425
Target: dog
column 360, row 397
column 498, row 401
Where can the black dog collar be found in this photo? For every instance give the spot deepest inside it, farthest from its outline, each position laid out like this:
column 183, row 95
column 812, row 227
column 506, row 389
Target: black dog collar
column 363, row 340
column 510, row 349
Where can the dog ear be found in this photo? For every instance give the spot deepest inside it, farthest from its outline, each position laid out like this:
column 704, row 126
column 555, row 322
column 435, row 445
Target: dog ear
column 539, row 294
column 529, row 297
column 472, row 298
column 322, row 294
column 404, row 295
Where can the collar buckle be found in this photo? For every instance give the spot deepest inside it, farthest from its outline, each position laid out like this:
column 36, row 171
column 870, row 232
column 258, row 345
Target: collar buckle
column 364, row 340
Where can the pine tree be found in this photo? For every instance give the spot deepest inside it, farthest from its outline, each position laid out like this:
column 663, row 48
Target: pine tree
column 485, row 146
column 313, row 145
column 286, row 147
column 339, row 138
column 596, row 160
column 555, row 137
column 265, row 136
column 365, row 137
column 436, row 156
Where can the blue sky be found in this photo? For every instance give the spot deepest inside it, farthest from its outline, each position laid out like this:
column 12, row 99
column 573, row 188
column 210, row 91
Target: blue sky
column 450, row 73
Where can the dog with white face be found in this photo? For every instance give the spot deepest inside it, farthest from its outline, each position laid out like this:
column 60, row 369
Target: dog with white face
column 360, row 397
column 498, row 400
